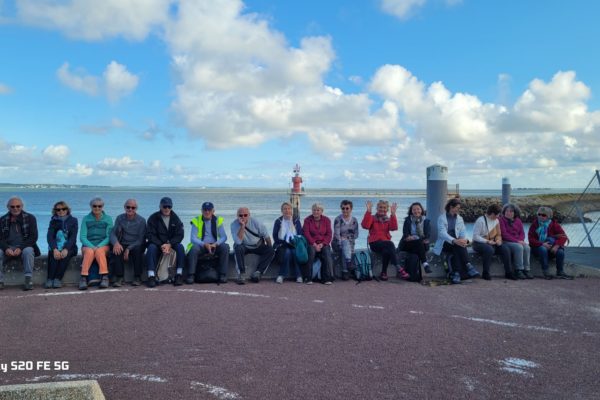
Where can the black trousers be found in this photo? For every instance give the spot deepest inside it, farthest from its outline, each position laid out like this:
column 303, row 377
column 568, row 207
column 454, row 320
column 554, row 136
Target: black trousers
column 136, row 259
column 388, row 253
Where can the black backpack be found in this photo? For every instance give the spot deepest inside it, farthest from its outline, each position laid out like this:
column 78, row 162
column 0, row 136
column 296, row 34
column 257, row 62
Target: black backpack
column 413, row 267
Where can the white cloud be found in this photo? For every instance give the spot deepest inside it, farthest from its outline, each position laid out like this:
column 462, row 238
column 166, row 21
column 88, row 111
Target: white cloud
column 96, row 20
column 56, row 154
column 103, row 128
column 402, row 9
column 5, row 89
column 116, row 81
column 119, row 165
column 81, row 170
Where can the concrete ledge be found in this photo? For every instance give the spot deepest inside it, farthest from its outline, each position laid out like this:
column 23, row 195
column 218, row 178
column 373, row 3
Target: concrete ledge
column 73, row 390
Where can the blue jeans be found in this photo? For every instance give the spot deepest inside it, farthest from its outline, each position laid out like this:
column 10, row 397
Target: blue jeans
column 487, row 251
column 287, row 259
column 545, row 254
column 27, row 256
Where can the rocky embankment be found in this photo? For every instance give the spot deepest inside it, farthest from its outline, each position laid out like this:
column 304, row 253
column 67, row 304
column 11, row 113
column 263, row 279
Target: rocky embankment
column 562, row 204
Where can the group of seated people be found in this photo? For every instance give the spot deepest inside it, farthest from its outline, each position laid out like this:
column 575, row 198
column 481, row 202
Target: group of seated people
column 143, row 244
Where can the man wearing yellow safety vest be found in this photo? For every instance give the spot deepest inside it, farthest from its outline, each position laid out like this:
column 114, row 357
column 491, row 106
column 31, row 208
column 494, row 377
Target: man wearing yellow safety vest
column 208, row 237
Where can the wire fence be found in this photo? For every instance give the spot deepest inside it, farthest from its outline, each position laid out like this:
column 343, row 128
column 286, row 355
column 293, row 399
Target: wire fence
column 583, row 228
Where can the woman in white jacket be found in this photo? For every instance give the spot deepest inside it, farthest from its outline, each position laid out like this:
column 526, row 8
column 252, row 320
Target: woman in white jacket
column 487, row 241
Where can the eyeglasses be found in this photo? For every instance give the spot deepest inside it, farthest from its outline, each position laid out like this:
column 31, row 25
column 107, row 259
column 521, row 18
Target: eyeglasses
column 98, row 206
column 60, row 209
column 168, row 207
column 542, row 215
column 17, row 206
column 242, row 215
column 130, row 207
column 345, row 208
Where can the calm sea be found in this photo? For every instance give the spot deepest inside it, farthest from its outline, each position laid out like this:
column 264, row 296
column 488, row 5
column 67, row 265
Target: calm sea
column 263, row 204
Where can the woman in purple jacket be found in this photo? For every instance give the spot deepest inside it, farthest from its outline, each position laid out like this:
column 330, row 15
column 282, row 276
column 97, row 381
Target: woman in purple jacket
column 513, row 236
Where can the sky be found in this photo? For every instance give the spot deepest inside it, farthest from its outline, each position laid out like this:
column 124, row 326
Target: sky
column 362, row 94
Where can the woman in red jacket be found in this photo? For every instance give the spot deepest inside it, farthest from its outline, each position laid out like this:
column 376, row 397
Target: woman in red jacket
column 547, row 239
column 379, row 227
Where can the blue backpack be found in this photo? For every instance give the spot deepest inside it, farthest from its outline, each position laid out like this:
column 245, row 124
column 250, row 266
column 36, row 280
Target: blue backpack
column 362, row 262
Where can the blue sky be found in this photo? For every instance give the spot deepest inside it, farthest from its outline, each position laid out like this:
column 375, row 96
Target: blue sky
column 232, row 93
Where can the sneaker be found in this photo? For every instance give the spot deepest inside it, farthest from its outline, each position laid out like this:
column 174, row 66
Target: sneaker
column 49, row 284
column 189, row 280
column 308, row 281
column 527, row 274
column 83, row 283
column 57, row 284
column 455, row 278
column 1, row 285
column 178, row 280
column 137, row 281
column 104, row 283
column 520, row 275
column 255, row 277
column 547, row 275
column 486, row 276
column 28, row 285
column 241, row 279
column 472, row 271
column 510, row 275
column 427, row 268
column 151, row 282
column 299, row 280
column 345, row 275
column 328, row 283
column 563, row 275
column 279, row 279
column 402, row 274
column 222, row 279
column 118, row 281
column 383, row 276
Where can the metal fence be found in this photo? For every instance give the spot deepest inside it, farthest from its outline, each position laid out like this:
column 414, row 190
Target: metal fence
column 584, row 230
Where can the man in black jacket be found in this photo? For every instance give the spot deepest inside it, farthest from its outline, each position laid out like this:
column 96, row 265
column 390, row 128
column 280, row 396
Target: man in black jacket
column 164, row 232
column 18, row 237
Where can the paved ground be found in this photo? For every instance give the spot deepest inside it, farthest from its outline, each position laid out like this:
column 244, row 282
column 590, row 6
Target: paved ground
column 480, row 340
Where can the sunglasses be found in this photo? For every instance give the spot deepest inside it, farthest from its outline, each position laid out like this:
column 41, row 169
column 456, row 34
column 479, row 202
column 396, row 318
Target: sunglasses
column 130, row 207
column 60, row 209
column 345, row 208
column 542, row 215
column 17, row 206
column 168, row 207
column 98, row 206
column 242, row 215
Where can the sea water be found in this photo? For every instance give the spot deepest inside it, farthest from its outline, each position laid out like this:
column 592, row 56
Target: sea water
column 264, row 204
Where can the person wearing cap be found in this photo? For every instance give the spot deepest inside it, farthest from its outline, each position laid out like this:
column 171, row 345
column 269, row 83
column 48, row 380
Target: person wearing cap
column 18, row 237
column 547, row 239
column 128, row 239
column 251, row 236
column 164, row 232
column 208, row 237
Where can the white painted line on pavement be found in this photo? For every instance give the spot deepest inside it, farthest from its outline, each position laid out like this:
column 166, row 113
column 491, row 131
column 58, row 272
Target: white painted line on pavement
column 218, row 392
column 68, row 377
column 224, row 292
column 367, row 306
column 416, row 312
column 518, row 366
column 318, row 301
column 72, row 293
column 510, row 324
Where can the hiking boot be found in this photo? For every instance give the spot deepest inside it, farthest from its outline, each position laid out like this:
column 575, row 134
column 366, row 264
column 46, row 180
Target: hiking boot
column 510, row 275
column 178, row 280
column 455, row 278
column 520, row 275
column 189, row 280
column 118, row 281
column 151, row 282
column 255, row 277
column 104, row 283
column 49, row 284
column 57, row 284
column 28, row 285
column 563, row 275
column 547, row 275
column 299, row 280
column 402, row 274
column 83, row 283
column 241, row 279
column 223, row 279
column 383, row 276
column 279, row 279
column 527, row 274
column 427, row 268
column 137, row 281
column 472, row 271
column 345, row 275
column 486, row 276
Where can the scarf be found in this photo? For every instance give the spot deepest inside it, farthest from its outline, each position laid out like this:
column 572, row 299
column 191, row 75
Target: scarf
column 287, row 230
column 382, row 218
column 419, row 222
column 542, row 229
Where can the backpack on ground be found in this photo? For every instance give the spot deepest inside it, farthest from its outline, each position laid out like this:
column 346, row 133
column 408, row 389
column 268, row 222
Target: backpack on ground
column 413, row 267
column 301, row 249
column 206, row 269
column 362, row 262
